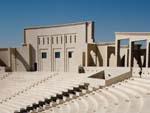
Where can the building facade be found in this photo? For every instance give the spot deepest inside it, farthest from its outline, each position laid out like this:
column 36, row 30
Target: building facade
column 64, row 48
column 60, row 47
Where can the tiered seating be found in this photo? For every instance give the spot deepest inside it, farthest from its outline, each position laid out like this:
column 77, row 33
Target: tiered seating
column 129, row 96
column 72, row 93
column 145, row 72
column 31, row 92
column 17, row 84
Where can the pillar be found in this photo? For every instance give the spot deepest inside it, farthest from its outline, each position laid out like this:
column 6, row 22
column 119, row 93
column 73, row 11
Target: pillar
column 130, row 53
column 117, row 52
column 147, row 53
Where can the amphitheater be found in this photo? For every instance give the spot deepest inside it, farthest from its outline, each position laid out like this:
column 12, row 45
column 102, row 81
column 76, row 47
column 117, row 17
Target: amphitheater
column 61, row 69
column 90, row 92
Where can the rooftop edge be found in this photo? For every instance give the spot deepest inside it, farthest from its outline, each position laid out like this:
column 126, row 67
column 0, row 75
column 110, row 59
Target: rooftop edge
column 59, row 25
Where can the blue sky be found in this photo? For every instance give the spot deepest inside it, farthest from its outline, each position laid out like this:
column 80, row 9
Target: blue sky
column 109, row 15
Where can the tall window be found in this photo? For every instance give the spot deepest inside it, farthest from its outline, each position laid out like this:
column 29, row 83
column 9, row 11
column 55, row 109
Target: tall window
column 52, row 39
column 70, row 39
column 75, row 38
column 47, row 40
column 66, row 39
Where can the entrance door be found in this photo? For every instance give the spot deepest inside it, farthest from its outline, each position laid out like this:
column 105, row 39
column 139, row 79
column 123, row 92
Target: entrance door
column 58, row 60
column 44, row 62
column 70, row 60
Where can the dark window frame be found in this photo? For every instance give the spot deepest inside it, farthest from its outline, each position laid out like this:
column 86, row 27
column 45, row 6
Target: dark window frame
column 57, row 54
column 44, row 55
column 47, row 40
column 75, row 38
column 52, row 40
column 70, row 39
column 70, row 54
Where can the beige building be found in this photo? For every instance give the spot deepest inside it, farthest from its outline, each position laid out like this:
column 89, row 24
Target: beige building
column 59, row 47
column 16, row 59
column 101, row 54
column 64, row 48
column 53, row 48
column 137, row 49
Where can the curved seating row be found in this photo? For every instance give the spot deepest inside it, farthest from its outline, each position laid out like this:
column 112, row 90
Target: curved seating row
column 129, row 96
column 72, row 93
column 41, row 93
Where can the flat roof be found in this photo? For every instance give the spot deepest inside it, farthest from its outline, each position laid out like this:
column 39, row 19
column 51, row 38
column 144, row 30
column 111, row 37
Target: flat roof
column 105, row 43
column 132, row 33
column 58, row 25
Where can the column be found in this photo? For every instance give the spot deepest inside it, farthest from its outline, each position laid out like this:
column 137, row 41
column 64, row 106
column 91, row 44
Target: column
column 130, row 53
column 117, row 52
column 86, row 55
column 147, row 53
